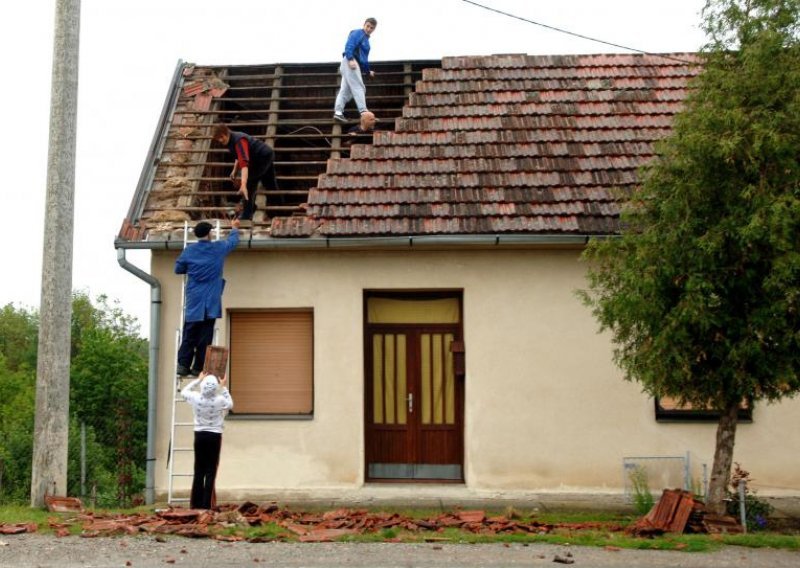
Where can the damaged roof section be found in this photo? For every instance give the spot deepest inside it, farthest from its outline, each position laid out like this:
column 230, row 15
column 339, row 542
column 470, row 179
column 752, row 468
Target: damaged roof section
column 485, row 145
column 507, row 144
column 289, row 106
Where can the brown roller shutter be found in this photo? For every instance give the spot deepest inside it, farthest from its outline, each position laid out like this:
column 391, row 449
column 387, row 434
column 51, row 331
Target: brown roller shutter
column 271, row 362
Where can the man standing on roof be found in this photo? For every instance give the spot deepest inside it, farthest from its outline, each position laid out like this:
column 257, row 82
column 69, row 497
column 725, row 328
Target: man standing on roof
column 355, row 61
column 254, row 159
column 202, row 263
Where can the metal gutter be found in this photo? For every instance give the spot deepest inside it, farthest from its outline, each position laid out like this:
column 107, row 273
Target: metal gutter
column 156, row 146
column 152, row 370
column 408, row 241
column 369, row 242
column 543, row 239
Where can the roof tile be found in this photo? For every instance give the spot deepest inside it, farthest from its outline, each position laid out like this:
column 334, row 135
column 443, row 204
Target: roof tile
column 502, row 144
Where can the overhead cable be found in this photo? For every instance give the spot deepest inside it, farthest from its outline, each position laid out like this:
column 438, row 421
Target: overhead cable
column 489, row 8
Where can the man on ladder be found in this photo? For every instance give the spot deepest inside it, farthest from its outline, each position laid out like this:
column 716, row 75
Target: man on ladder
column 202, row 263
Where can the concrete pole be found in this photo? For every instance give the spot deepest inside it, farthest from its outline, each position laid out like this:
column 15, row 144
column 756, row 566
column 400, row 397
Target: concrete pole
column 51, row 424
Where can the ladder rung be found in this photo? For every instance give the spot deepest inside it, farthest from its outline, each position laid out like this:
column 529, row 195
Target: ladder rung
column 179, row 499
column 182, row 450
column 182, row 475
column 184, row 424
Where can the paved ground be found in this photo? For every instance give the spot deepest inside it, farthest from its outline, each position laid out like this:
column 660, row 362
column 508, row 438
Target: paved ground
column 34, row 550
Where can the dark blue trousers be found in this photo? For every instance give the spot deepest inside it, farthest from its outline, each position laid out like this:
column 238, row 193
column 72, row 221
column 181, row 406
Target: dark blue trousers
column 266, row 175
column 197, row 335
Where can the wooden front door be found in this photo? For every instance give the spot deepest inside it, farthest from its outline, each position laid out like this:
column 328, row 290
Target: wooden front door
column 414, row 403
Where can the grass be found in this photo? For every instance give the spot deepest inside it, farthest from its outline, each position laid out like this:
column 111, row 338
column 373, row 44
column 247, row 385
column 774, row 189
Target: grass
column 14, row 514
column 763, row 540
column 18, row 514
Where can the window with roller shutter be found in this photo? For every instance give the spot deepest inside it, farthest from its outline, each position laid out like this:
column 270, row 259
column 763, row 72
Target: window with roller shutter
column 271, row 362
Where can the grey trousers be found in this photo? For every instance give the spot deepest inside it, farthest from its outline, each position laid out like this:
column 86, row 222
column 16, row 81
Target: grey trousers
column 352, row 88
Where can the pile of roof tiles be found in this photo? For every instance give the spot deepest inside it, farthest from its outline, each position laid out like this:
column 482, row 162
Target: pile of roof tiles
column 17, row 528
column 677, row 512
column 302, row 526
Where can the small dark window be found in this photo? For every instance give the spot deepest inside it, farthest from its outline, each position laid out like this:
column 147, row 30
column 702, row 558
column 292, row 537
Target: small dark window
column 669, row 410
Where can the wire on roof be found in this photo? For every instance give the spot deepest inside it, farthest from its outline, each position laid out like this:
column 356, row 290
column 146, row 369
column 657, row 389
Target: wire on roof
column 576, row 34
column 315, row 129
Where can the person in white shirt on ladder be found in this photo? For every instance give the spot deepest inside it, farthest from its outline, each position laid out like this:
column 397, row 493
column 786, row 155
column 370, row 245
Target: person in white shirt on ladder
column 210, row 405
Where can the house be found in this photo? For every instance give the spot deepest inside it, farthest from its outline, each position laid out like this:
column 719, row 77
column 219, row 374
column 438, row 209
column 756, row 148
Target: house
column 402, row 321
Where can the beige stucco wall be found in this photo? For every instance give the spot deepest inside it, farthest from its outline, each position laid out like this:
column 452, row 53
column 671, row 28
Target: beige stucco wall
column 546, row 410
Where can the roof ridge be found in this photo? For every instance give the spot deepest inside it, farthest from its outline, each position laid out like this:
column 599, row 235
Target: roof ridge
column 567, row 60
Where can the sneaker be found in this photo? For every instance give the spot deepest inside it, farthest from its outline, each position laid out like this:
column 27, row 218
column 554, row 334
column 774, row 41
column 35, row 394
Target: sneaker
column 182, row 370
column 339, row 117
column 195, row 372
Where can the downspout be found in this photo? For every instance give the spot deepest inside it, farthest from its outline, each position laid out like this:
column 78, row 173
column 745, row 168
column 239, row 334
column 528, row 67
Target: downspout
column 145, row 180
column 152, row 370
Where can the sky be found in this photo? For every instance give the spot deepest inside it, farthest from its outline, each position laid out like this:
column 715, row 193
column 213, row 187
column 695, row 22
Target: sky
column 129, row 51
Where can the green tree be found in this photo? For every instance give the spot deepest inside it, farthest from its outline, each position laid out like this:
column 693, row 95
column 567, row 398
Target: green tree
column 109, row 392
column 16, row 427
column 701, row 290
column 108, row 395
column 18, row 331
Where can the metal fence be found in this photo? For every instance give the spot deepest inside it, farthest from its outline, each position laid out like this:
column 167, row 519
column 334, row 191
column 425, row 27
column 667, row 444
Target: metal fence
column 664, row 472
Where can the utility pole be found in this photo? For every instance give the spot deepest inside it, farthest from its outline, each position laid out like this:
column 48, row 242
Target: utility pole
column 51, row 424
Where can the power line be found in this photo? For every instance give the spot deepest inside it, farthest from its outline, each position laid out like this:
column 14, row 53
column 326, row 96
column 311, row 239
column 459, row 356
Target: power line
column 489, row 8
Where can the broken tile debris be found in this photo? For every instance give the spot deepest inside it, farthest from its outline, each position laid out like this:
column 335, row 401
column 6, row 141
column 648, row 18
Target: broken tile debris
column 18, row 528
column 57, row 504
column 304, row 526
column 676, row 511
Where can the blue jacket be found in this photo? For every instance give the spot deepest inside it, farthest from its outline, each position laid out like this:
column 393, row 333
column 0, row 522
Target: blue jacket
column 357, row 47
column 202, row 262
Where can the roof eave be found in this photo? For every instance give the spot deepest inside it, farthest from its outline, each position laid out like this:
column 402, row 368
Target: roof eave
column 385, row 242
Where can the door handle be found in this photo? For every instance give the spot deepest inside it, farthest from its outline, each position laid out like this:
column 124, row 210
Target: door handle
column 410, row 400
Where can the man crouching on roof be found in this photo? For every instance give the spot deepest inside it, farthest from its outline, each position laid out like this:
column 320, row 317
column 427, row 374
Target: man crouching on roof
column 256, row 161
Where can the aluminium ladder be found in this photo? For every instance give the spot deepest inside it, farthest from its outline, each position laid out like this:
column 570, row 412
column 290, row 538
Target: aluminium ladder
column 182, row 421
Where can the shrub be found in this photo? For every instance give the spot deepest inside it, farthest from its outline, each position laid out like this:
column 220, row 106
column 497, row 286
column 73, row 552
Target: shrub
column 757, row 511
